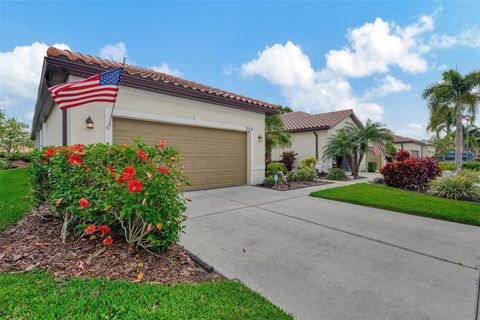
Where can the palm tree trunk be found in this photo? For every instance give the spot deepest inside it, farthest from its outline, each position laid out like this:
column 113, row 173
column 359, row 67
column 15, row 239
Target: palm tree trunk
column 458, row 139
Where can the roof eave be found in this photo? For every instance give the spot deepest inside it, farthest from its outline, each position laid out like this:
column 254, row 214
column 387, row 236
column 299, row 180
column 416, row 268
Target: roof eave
column 309, row 129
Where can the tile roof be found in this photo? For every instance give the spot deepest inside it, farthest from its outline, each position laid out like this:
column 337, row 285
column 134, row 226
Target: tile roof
column 400, row 139
column 155, row 76
column 302, row 121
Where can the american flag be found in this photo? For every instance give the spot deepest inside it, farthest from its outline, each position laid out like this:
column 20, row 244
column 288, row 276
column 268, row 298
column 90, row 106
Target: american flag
column 102, row 87
column 377, row 149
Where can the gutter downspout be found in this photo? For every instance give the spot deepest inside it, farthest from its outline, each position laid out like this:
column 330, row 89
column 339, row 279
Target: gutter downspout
column 316, row 144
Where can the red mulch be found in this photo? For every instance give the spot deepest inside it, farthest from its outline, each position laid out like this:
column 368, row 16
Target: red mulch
column 34, row 242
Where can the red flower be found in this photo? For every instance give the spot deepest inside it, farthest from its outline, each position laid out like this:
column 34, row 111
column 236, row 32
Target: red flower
column 135, row 185
column 74, row 159
column 162, row 143
column 78, row 148
column 142, row 155
column 128, row 173
column 83, row 203
column 107, row 241
column 111, row 168
column 49, row 152
column 104, row 229
column 90, row 229
column 163, row 170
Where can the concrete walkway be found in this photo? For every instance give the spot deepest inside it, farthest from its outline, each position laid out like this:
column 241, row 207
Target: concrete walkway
column 320, row 259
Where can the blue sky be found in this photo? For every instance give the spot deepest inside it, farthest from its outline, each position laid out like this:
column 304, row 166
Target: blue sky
column 375, row 57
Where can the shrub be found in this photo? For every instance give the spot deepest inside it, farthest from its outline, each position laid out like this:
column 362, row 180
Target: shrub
column 447, row 166
column 455, row 187
column 471, row 165
column 413, row 171
column 372, row 166
column 5, row 164
column 336, row 174
column 471, row 175
column 402, row 155
column 268, row 181
column 26, row 156
column 14, row 156
column 292, row 176
column 288, row 159
column 305, row 174
column 308, row 162
column 275, row 167
column 133, row 189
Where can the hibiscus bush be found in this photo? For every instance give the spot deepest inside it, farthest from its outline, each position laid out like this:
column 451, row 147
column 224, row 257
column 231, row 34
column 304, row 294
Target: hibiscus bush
column 412, row 171
column 109, row 191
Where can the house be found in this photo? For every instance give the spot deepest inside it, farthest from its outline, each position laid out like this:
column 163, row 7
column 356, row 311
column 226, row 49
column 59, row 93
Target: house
column 310, row 133
column 219, row 134
column 416, row 148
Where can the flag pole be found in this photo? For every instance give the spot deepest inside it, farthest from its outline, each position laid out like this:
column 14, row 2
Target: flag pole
column 113, row 107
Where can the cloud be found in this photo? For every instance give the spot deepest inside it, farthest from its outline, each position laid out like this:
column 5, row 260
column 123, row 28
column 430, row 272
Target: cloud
column 165, row 68
column 413, row 130
column 442, row 67
column 469, row 37
column 387, row 85
column 20, row 71
column 115, row 52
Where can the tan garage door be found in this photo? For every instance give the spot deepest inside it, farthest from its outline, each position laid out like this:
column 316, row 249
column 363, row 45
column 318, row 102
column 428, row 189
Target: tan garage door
column 211, row 157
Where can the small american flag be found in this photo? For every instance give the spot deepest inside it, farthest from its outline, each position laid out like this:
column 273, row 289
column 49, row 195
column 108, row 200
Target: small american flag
column 377, row 149
column 102, row 87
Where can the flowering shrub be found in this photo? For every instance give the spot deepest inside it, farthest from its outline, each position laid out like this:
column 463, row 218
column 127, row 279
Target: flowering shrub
column 402, row 155
column 412, row 171
column 132, row 191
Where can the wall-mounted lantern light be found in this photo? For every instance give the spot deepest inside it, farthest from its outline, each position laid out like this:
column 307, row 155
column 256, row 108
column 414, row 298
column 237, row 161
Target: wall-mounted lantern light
column 260, row 138
column 89, row 123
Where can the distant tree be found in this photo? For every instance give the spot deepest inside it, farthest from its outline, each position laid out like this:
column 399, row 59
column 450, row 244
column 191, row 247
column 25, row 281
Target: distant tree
column 461, row 95
column 444, row 145
column 14, row 135
column 284, row 109
column 275, row 136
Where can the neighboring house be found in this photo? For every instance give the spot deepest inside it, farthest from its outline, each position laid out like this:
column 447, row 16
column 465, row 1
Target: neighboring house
column 310, row 133
column 416, row 148
column 219, row 134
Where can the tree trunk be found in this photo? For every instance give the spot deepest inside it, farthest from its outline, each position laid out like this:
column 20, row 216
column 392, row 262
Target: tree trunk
column 357, row 165
column 458, row 140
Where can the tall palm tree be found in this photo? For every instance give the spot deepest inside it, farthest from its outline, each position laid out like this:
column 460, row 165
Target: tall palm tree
column 275, row 136
column 365, row 135
column 339, row 144
column 442, row 119
column 462, row 95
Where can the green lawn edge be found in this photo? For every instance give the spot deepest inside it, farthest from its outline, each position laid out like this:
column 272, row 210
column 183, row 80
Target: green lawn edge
column 37, row 295
column 15, row 195
column 383, row 197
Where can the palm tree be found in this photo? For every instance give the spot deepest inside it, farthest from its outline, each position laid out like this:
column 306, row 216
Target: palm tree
column 339, row 144
column 462, row 95
column 365, row 135
column 275, row 136
column 441, row 119
column 444, row 145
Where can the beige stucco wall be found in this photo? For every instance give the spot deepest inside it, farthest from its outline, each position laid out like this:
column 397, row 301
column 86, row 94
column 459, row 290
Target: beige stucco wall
column 423, row 151
column 53, row 126
column 140, row 104
column 303, row 143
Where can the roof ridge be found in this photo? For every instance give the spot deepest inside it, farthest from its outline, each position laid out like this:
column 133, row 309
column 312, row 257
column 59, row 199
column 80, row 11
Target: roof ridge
column 155, row 75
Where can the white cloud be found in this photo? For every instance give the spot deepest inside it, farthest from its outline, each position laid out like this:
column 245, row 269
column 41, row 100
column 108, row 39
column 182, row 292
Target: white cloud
column 469, row 37
column 387, row 85
column 413, row 130
column 165, row 68
column 20, row 71
column 283, row 65
column 374, row 47
column 115, row 52
column 442, row 67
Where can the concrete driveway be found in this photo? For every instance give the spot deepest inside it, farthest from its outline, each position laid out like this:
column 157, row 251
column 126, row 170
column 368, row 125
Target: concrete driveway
column 320, row 259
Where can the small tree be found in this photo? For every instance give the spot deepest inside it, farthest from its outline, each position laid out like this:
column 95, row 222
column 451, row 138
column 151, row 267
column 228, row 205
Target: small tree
column 444, row 145
column 275, row 136
column 288, row 159
column 14, row 134
column 339, row 144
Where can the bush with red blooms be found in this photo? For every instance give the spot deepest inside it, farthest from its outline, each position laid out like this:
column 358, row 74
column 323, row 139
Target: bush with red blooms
column 114, row 191
column 412, row 171
column 402, row 155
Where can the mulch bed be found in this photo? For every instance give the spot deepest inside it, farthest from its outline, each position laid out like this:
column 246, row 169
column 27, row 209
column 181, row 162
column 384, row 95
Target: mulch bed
column 296, row 185
column 34, row 242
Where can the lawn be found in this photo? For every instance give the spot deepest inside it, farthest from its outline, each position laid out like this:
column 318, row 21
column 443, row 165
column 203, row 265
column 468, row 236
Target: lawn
column 36, row 295
column 14, row 196
column 384, row 197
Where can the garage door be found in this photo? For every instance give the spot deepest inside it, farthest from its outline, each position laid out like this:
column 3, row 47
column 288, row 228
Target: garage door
column 211, row 157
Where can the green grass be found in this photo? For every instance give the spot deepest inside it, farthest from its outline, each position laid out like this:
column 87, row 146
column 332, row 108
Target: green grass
column 383, row 197
column 14, row 187
column 36, row 295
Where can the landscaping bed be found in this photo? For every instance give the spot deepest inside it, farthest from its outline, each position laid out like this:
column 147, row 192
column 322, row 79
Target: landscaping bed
column 390, row 198
column 295, row 185
column 34, row 243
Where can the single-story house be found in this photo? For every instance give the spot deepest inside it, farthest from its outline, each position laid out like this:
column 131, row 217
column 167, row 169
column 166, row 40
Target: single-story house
column 219, row 134
column 310, row 133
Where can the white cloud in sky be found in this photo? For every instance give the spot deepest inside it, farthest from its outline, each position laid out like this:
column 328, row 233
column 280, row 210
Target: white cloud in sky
column 386, row 86
column 470, row 37
column 165, row 68
column 115, row 52
column 20, row 71
column 413, row 130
